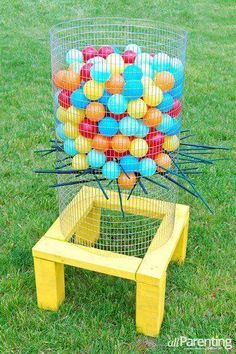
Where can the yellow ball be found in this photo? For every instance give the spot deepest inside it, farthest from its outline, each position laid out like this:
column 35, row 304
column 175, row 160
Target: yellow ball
column 82, row 144
column 147, row 81
column 137, row 108
column 171, row 143
column 79, row 162
column 61, row 114
column 152, row 95
column 75, row 67
column 71, row 130
column 116, row 63
column 75, row 115
column 138, row 147
column 93, row 90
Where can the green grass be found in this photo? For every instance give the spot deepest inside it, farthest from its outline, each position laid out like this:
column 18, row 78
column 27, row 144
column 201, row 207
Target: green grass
column 98, row 314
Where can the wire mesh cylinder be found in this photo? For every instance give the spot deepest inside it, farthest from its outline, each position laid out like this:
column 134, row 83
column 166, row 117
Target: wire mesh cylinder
column 118, row 90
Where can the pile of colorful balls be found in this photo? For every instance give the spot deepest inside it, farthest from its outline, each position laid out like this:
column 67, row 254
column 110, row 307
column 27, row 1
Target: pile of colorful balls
column 119, row 112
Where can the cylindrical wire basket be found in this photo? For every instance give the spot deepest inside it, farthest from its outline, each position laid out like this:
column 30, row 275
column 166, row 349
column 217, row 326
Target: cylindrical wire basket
column 118, row 96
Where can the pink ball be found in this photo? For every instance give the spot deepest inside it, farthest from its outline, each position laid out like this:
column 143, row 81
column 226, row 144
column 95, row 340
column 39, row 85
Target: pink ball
column 88, row 129
column 89, row 52
column 129, row 57
column 64, row 98
column 176, row 109
column 85, row 72
column 105, row 50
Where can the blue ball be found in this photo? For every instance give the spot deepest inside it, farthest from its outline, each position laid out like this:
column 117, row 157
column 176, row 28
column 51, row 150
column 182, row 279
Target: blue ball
column 60, row 132
column 105, row 97
column 169, row 125
column 69, row 147
column 56, row 121
column 177, row 92
column 178, row 76
column 78, row 99
column 147, row 167
column 117, row 104
column 100, row 72
column 111, row 170
column 129, row 163
column 108, row 126
column 96, row 159
column 166, row 103
column 143, row 129
column 132, row 72
column 55, row 97
column 128, row 126
column 117, row 50
column 133, row 90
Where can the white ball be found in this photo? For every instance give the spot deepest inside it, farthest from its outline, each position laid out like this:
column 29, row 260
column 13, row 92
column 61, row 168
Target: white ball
column 74, row 55
column 161, row 61
column 177, row 63
column 134, row 47
column 96, row 60
column 147, row 70
column 115, row 63
column 143, row 58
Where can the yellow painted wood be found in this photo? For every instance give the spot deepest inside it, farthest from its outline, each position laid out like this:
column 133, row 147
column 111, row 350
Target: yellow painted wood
column 88, row 229
column 180, row 250
column 49, row 278
column 150, row 301
column 87, row 258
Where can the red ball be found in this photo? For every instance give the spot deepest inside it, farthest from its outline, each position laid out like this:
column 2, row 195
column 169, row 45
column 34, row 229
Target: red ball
column 88, row 128
column 155, row 140
column 111, row 154
column 105, row 50
column 118, row 116
column 153, row 152
column 129, row 57
column 176, row 109
column 64, row 98
column 89, row 52
column 85, row 72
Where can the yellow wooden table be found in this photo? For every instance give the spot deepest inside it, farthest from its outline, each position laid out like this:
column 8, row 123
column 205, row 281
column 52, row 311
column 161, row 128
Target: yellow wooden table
column 54, row 250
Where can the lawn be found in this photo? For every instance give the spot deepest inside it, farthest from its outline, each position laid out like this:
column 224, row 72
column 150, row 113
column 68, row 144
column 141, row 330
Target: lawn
column 98, row 314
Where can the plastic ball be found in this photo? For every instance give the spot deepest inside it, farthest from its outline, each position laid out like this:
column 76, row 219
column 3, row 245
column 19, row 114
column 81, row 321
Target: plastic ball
column 96, row 159
column 128, row 126
column 177, row 92
column 171, row 143
column 138, row 147
column 71, row 130
column 78, row 99
column 105, row 97
column 155, row 141
column 163, row 160
column 115, row 84
column 132, row 72
column 64, row 98
column 100, row 143
column 60, row 132
column 85, row 72
column 118, row 116
column 117, row 104
column 69, row 147
column 153, row 117
column 147, row 70
column 129, row 163
column 143, row 58
column 127, row 182
column 89, row 52
column 161, row 62
column 74, row 55
column 147, row 81
column 79, row 162
column 111, row 154
column 152, row 96
column 95, row 111
column 56, row 121
column 68, row 80
column 105, row 50
column 100, row 72
column 137, row 108
column 108, row 126
column 147, row 167
column 115, row 63
column 75, row 115
column 129, row 56
column 133, row 89
column 167, row 103
column 134, row 47
column 177, row 64
column 120, row 143
column 76, row 67
column 169, row 125
column 96, row 60
column 164, row 80
column 88, row 128
column 178, row 76
column 175, row 109
column 111, row 170
column 143, row 129
column 55, row 97
column 61, row 114
column 82, row 144
column 93, row 90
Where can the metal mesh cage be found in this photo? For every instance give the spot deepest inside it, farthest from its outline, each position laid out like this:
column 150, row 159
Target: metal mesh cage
column 118, row 90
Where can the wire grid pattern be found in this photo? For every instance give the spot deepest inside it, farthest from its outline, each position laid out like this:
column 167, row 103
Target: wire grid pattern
column 127, row 233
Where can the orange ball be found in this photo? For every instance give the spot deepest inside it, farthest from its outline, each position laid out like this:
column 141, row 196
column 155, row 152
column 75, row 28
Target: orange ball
column 125, row 182
column 153, row 117
column 100, row 143
column 164, row 80
column 68, row 80
column 115, row 84
column 120, row 143
column 163, row 160
column 95, row 111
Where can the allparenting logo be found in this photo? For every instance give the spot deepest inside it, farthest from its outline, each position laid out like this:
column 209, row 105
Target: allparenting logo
column 204, row 343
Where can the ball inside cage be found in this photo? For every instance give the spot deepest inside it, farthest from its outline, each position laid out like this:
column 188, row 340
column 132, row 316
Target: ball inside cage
column 118, row 97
